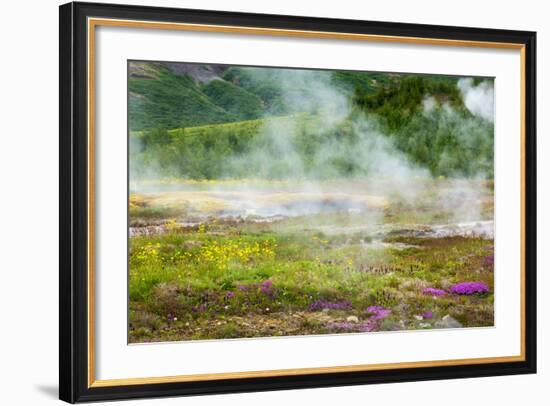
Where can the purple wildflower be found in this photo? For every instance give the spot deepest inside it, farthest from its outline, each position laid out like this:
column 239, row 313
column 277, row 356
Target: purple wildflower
column 266, row 290
column 341, row 325
column 469, row 288
column 427, row 315
column 378, row 312
column 242, row 288
column 230, row 295
column 267, row 284
column 325, row 304
column 170, row 317
column 201, row 308
column 489, row 260
column 367, row 326
column 434, row 292
column 345, row 326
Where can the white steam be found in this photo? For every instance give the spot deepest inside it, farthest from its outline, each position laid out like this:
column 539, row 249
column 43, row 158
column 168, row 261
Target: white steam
column 276, row 152
column 480, row 99
column 429, row 103
column 317, row 181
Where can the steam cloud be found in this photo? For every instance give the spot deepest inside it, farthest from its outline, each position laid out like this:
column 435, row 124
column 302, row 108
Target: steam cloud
column 364, row 147
column 480, row 99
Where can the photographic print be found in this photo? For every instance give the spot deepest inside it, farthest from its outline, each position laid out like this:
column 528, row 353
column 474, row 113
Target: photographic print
column 268, row 197
column 270, row 201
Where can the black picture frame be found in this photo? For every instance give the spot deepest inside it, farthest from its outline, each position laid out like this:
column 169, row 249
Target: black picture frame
column 74, row 384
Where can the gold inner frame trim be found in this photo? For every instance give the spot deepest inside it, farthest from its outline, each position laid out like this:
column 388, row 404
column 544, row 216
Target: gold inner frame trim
column 94, row 22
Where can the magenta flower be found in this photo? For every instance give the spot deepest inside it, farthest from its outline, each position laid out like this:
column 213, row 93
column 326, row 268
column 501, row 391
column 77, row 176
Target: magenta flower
column 201, row 308
column 325, row 304
column 230, row 295
column 266, row 290
column 470, row 288
column 367, row 326
column 427, row 315
column 345, row 326
column 267, row 284
column 434, row 292
column 378, row 312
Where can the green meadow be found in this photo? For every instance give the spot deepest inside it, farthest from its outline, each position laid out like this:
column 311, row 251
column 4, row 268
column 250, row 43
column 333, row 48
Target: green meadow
column 198, row 274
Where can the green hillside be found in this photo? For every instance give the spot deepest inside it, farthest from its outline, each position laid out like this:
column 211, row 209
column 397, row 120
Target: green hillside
column 239, row 103
column 165, row 100
column 272, row 85
column 162, row 98
column 195, row 121
column 445, row 144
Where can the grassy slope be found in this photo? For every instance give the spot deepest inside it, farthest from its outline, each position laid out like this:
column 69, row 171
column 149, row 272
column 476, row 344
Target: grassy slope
column 166, row 100
column 446, row 144
column 266, row 85
column 170, row 101
column 238, row 102
column 162, row 99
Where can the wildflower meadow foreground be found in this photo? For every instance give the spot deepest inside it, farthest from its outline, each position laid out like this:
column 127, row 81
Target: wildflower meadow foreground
column 208, row 273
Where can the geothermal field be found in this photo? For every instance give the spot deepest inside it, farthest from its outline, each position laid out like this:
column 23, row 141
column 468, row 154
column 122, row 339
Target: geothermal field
column 270, row 202
column 223, row 260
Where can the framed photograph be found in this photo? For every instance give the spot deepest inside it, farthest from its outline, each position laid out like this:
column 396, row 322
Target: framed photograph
column 256, row 202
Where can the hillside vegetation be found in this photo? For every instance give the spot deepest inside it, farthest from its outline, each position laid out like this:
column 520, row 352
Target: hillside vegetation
column 187, row 128
column 161, row 96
